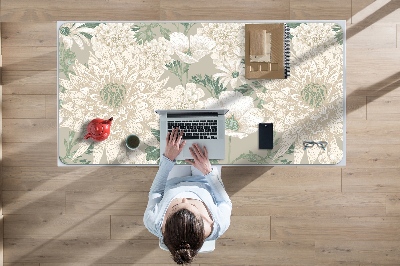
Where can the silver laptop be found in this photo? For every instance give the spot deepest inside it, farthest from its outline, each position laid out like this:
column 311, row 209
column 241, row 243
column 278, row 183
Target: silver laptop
column 204, row 127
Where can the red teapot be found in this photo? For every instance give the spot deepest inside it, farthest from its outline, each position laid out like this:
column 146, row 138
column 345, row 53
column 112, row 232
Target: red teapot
column 98, row 129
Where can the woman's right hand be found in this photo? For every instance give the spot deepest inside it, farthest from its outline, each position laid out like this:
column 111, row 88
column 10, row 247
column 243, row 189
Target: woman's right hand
column 200, row 159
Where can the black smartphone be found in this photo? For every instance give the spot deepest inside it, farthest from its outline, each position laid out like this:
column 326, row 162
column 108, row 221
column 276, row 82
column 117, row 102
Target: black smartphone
column 265, row 136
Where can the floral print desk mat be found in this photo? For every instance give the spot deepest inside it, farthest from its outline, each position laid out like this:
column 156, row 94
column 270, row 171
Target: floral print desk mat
column 128, row 70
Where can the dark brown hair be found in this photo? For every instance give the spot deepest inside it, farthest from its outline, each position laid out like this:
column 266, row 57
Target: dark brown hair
column 184, row 235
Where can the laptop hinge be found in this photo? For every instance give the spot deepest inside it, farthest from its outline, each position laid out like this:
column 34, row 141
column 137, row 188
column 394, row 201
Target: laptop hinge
column 191, row 114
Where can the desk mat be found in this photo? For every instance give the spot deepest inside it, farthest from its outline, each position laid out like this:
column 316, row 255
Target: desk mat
column 128, row 70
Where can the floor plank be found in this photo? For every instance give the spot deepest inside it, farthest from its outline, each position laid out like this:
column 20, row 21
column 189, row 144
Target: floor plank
column 383, row 108
column 51, row 226
column 382, row 155
column 24, row 106
column 29, row 130
column 224, row 10
column 118, row 179
column 393, row 204
column 30, row 154
column 363, row 252
column 33, row 202
column 147, row 251
column 309, row 204
column 107, row 203
column 324, row 9
column 43, row 10
column 335, row 228
column 371, row 180
column 29, row 82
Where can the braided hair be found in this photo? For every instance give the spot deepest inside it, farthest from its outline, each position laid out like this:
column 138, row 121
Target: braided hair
column 184, row 235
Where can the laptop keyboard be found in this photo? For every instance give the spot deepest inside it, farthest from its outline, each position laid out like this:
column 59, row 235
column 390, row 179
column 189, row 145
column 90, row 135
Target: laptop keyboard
column 196, row 129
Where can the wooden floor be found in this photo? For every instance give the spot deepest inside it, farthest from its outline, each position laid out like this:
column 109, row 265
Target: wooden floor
column 281, row 216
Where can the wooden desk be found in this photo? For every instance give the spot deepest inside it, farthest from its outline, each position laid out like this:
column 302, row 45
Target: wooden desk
column 128, row 70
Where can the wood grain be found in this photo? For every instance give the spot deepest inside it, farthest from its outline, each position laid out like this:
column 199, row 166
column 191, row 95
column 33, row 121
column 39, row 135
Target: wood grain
column 369, row 155
column 335, row 228
column 33, row 202
column 371, row 180
column 29, row 34
column 285, row 179
column 30, row 130
column 363, row 252
column 29, row 82
column 365, row 80
column 50, row 226
column 393, row 204
column 30, row 154
column 331, row 9
column 373, row 131
column 383, row 108
column 224, row 10
column 24, row 106
column 356, row 108
column 129, row 227
column 309, row 204
column 43, row 10
column 118, row 179
column 147, row 251
column 107, row 203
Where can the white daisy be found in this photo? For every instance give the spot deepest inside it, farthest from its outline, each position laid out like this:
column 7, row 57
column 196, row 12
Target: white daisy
column 75, row 32
column 233, row 73
column 191, row 50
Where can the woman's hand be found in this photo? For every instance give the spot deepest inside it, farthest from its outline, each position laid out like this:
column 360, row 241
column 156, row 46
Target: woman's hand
column 174, row 144
column 200, row 157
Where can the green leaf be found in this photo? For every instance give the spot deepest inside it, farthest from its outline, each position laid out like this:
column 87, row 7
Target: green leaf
column 90, row 25
column 290, row 150
column 156, row 133
column 292, row 26
column 87, row 35
column 245, row 89
column 231, row 123
column 260, row 104
column 144, row 32
column 66, row 60
column 113, row 94
column 90, row 149
column 165, row 32
column 187, row 27
column 314, row 94
column 339, row 33
column 177, row 68
column 214, row 86
column 152, row 153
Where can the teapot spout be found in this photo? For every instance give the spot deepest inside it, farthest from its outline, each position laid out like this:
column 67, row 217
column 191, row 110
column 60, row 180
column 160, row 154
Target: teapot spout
column 108, row 121
column 87, row 136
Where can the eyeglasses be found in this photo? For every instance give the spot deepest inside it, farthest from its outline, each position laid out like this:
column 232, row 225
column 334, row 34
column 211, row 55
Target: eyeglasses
column 309, row 144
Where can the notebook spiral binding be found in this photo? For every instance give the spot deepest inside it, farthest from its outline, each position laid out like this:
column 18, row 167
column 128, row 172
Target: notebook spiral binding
column 287, row 50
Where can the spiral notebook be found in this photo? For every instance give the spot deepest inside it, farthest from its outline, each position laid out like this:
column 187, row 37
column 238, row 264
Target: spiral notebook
column 267, row 51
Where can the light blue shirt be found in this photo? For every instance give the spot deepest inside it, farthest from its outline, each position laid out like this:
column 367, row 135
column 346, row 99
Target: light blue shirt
column 209, row 188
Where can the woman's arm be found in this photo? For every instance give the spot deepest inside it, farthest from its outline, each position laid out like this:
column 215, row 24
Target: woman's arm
column 222, row 199
column 167, row 161
column 223, row 202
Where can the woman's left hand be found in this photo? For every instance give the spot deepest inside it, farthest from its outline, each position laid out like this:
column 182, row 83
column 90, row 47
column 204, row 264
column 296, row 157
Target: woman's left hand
column 174, row 144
